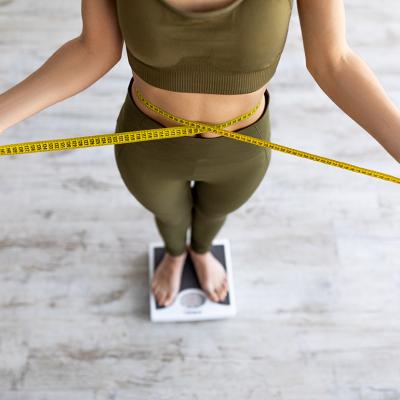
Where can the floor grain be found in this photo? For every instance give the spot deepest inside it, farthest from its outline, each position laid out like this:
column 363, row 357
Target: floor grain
column 317, row 274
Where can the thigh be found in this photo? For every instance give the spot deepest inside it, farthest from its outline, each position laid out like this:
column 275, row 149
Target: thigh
column 230, row 185
column 161, row 186
column 157, row 185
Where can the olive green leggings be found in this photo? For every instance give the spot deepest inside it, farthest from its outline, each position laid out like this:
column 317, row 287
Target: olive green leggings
column 190, row 182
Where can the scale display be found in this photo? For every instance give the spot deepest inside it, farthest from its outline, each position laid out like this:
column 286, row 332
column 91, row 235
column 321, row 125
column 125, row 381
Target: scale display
column 191, row 303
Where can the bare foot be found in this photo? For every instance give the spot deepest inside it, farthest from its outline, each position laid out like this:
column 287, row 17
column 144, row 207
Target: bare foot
column 211, row 274
column 167, row 278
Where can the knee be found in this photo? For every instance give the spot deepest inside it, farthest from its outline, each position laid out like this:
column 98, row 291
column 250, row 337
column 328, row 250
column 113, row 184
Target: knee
column 173, row 218
column 215, row 212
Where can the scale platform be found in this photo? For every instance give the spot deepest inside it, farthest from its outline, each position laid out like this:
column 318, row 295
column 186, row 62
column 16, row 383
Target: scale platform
column 191, row 303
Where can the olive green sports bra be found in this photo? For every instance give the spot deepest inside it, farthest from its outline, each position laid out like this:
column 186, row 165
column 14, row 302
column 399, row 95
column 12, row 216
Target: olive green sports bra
column 233, row 50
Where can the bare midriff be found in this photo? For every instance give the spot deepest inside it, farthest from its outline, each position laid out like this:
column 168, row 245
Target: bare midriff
column 203, row 107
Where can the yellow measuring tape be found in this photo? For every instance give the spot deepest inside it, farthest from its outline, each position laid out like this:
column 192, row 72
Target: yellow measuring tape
column 190, row 128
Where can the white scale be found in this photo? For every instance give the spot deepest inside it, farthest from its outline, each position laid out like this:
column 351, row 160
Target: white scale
column 191, row 303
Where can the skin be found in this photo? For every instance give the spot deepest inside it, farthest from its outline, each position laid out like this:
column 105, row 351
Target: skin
column 340, row 73
column 337, row 69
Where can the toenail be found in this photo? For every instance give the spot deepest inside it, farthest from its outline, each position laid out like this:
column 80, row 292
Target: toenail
column 211, row 296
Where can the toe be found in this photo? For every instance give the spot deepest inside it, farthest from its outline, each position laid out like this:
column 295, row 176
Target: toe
column 224, row 291
column 159, row 296
column 226, row 286
column 218, row 294
column 156, row 293
column 163, row 297
column 220, row 289
column 223, row 294
column 211, row 294
column 168, row 299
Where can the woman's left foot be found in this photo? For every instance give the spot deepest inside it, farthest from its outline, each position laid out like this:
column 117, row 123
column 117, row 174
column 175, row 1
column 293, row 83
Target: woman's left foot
column 211, row 274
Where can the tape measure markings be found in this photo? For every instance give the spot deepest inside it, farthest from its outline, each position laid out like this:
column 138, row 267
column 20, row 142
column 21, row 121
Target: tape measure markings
column 189, row 128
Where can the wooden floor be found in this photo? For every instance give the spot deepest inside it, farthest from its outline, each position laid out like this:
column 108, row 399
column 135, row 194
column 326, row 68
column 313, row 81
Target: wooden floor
column 315, row 251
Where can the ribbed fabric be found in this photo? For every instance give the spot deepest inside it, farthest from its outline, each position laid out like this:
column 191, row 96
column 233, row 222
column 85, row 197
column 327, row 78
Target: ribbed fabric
column 233, row 50
column 200, row 77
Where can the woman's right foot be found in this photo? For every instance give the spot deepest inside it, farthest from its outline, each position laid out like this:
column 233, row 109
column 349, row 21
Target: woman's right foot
column 167, row 278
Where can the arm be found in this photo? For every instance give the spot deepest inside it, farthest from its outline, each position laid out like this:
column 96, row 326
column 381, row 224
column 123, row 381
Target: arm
column 72, row 68
column 344, row 76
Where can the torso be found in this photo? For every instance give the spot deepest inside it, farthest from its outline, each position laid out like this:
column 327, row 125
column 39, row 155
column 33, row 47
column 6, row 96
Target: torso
column 205, row 107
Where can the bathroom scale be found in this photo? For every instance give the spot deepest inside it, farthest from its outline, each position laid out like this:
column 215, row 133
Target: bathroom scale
column 191, row 302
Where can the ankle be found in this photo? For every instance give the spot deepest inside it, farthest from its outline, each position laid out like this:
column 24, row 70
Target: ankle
column 167, row 254
column 196, row 253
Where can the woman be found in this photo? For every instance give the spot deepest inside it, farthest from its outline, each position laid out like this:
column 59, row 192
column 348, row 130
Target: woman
column 208, row 61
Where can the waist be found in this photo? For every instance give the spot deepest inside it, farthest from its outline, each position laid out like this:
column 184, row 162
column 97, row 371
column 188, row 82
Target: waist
column 207, row 108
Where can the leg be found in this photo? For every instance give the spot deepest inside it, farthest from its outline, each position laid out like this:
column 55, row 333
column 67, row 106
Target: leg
column 228, row 187
column 169, row 198
column 161, row 191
